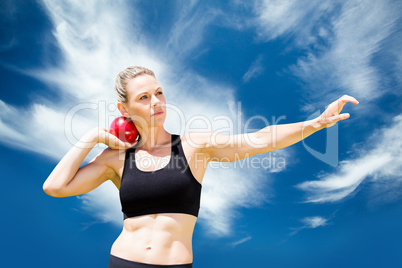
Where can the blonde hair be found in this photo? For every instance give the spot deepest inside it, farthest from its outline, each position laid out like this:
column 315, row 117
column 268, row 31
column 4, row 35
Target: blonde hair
column 124, row 76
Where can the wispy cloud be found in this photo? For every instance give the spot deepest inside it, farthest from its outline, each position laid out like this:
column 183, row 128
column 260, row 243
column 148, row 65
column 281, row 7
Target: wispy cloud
column 241, row 241
column 310, row 223
column 275, row 18
column 189, row 27
column 343, row 42
column 347, row 62
column 382, row 165
column 224, row 191
column 255, row 69
column 340, row 40
column 104, row 204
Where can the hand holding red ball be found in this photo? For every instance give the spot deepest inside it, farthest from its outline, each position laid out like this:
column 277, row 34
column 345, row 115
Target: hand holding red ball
column 124, row 129
column 121, row 135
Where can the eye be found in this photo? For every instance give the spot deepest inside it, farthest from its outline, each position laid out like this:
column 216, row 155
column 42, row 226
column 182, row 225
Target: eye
column 143, row 97
column 160, row 92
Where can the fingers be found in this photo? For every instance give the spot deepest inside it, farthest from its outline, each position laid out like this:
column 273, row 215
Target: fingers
column 116, row 143
column 339, row 117
column 339, row 103
column 123, row 145
column 346, row 98
column 113, row 142
column 332, row 114
column 129, row 145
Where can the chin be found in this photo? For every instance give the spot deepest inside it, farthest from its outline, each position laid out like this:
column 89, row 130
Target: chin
column 156, row 123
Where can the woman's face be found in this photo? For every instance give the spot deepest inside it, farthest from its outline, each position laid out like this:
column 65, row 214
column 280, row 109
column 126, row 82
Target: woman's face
column 146, row 102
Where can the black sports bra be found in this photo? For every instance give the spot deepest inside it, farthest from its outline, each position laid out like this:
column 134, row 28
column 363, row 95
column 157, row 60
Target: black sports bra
column 172, row 189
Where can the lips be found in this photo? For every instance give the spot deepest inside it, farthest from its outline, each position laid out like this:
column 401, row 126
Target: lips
column 158, row 112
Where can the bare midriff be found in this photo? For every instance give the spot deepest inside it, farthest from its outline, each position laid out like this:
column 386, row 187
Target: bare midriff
column 164, row 239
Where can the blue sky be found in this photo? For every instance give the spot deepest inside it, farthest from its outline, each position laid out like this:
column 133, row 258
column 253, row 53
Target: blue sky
column 233, row 67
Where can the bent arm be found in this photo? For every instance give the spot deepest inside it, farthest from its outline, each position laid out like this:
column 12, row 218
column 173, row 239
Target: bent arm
column 68, row 179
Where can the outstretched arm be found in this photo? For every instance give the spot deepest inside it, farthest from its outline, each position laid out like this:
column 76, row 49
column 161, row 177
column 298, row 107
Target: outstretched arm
column 224, row 148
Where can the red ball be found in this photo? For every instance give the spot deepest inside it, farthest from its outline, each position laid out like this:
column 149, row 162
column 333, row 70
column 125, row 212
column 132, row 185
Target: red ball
column 124, row 129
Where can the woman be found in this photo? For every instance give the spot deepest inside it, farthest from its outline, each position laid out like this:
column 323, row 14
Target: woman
column 160, row 175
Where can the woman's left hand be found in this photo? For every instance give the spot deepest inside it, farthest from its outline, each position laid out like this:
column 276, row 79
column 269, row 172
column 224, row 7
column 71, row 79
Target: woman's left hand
column 331, row 115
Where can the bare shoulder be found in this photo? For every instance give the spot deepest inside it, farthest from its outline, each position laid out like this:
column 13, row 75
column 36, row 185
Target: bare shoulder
column 197, row 139
column 114, row 159
column 197, row 144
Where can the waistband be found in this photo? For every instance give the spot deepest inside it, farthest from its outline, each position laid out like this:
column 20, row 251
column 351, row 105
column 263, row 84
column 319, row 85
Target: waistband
column 117, row 262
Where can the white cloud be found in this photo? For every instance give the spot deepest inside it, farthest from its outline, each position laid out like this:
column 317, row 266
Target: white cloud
column 314, row 222
column 340, row 40
column 241, row 241
column 275, row 18
column 97, row 40
column 103, row 204
column 188, row 30
column 382, row 165
column 224, row 190
column 255, row 70
column 7, row 116
column 310, row 223
column 358, row 33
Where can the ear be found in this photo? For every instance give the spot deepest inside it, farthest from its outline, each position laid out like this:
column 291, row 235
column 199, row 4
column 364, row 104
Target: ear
column 122, row 109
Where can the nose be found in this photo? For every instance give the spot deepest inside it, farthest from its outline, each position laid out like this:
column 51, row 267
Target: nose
column 155, row 101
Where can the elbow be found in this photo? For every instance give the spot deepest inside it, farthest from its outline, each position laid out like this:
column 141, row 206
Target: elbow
column 51, row 191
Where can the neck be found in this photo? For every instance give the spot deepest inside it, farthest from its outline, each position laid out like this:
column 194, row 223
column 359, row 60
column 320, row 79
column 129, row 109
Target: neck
column 153, row 138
